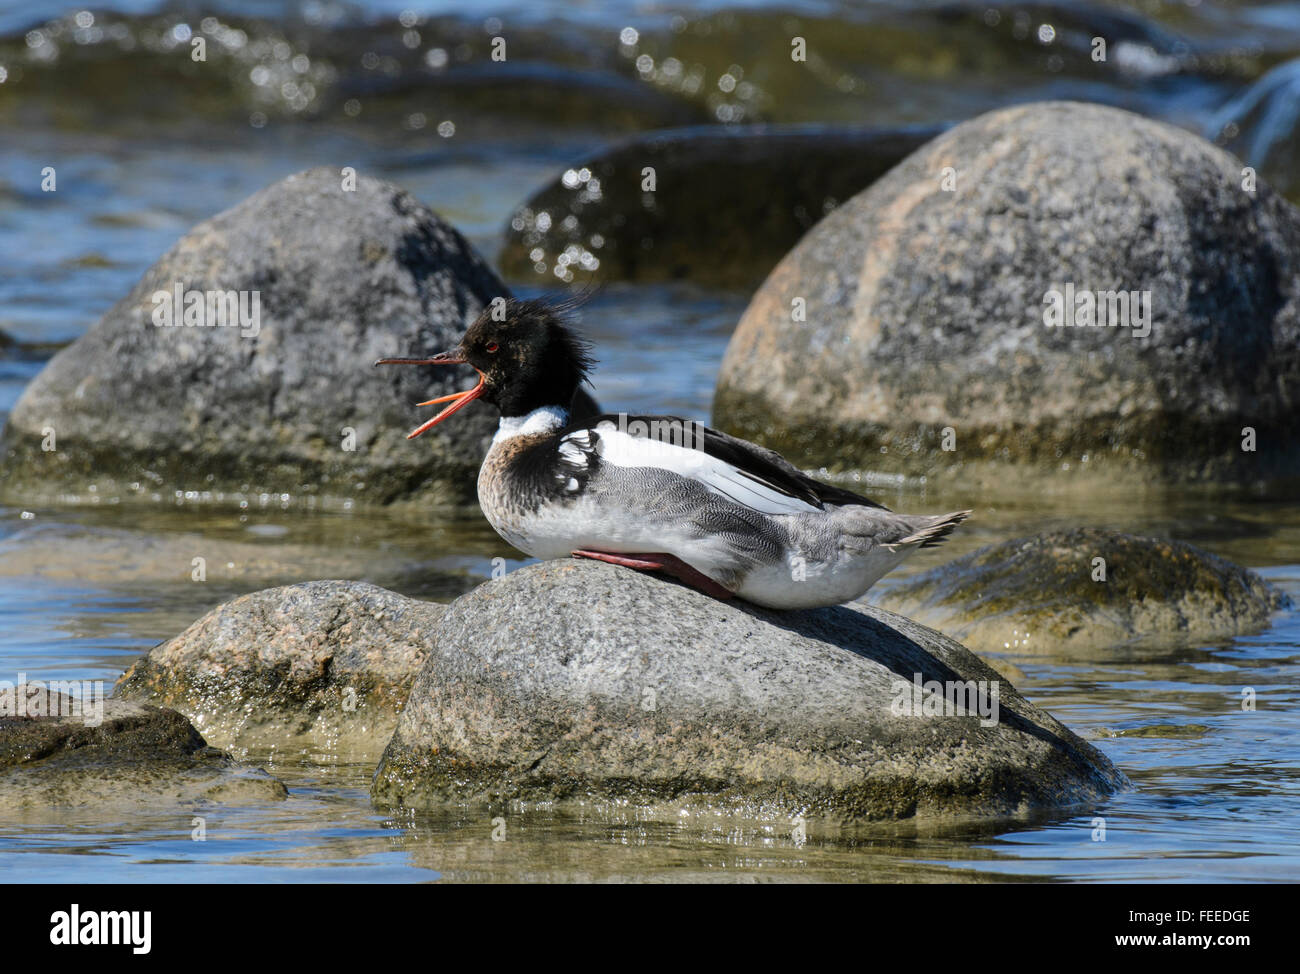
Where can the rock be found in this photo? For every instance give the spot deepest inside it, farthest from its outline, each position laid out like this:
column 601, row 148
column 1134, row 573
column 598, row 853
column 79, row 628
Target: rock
column 342, row 278
column 1161, row 730
column 319, row 670
column 918, row 61
column 1040, row 595
column 558, row 77
column 118, row 557
column 1261, row 125
column 577, row 680
column 52, row 753
column 925, row 349
column 203, row 570
column 728, row 202
column 516, row 99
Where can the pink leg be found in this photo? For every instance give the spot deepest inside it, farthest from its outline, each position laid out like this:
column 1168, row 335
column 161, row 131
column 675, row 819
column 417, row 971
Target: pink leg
column 658, row 561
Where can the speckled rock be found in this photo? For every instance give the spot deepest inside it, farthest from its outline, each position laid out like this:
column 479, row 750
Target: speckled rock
column 291, row 403
column 1048, row 594
column 55, row 754
column 727, row 204
column 319, row 670
column 925, row 314
column 578, row 680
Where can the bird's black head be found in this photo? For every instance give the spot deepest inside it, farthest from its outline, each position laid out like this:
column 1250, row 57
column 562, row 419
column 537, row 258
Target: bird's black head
column 526, row 357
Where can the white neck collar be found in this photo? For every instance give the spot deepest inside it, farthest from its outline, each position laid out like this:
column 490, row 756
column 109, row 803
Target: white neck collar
column 538, row 421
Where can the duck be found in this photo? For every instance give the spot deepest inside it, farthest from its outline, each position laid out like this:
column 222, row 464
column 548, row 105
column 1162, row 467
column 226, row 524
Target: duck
column 658, row 493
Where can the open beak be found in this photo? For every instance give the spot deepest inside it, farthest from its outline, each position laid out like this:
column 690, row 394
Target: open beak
column 458, row 400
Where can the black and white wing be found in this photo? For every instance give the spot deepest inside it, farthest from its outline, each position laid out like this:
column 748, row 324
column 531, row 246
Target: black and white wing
column 742, row 472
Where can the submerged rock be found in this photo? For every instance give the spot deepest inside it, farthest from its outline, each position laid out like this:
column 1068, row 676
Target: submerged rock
column 560, row 75
column 1085, row 589
column 286, row 400
column 906, row 333
column 517, row 99
column 577, row 680
column 319, row 669
column 1261, row 124
column 210, row 567
column 726, row 205
column 55, row 752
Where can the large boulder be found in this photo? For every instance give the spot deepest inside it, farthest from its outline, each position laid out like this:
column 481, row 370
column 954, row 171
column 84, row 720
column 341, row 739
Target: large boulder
column 288, row 404
column 318, row 670
column 577, row 680
column 926, row 349
column 61, row 751
column 1071, row 591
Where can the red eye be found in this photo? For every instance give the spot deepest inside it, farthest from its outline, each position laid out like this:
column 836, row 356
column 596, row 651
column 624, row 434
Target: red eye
column 492, row 346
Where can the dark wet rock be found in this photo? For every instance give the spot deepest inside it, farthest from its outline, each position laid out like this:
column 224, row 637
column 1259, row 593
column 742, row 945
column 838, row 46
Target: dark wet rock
column 556, row 77
column 885, row 62
column 1048, row 595
column 55, row 751
column 518, row 99
column 1262, row 127
column 319, row 669
column 728, row 203
column 577, row 72
column 577, row 680
column 925, row 313
column 343, row 278
column 1184, row 731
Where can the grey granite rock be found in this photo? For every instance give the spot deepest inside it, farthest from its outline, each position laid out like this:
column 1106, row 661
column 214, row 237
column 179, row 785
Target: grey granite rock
column 319, row 669
column 1070, row 591
column 582, row 681
column 292, row 404
column 925, row 313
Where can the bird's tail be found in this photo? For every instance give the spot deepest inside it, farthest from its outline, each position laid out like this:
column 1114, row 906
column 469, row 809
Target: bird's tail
column 932, row 530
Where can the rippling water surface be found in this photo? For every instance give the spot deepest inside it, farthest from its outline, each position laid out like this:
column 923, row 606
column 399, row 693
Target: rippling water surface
column 144, row 149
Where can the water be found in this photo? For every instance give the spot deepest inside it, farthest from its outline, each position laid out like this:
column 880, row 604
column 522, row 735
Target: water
column 142, row 154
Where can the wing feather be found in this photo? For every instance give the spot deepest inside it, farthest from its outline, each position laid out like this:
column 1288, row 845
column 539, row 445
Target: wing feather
column 747, row 473
column 622, row 449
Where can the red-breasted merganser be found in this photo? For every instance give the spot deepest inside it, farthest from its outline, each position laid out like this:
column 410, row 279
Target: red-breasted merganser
column 658, row 493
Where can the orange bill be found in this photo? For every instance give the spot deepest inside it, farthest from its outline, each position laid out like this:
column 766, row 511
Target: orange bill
column 458, row 400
